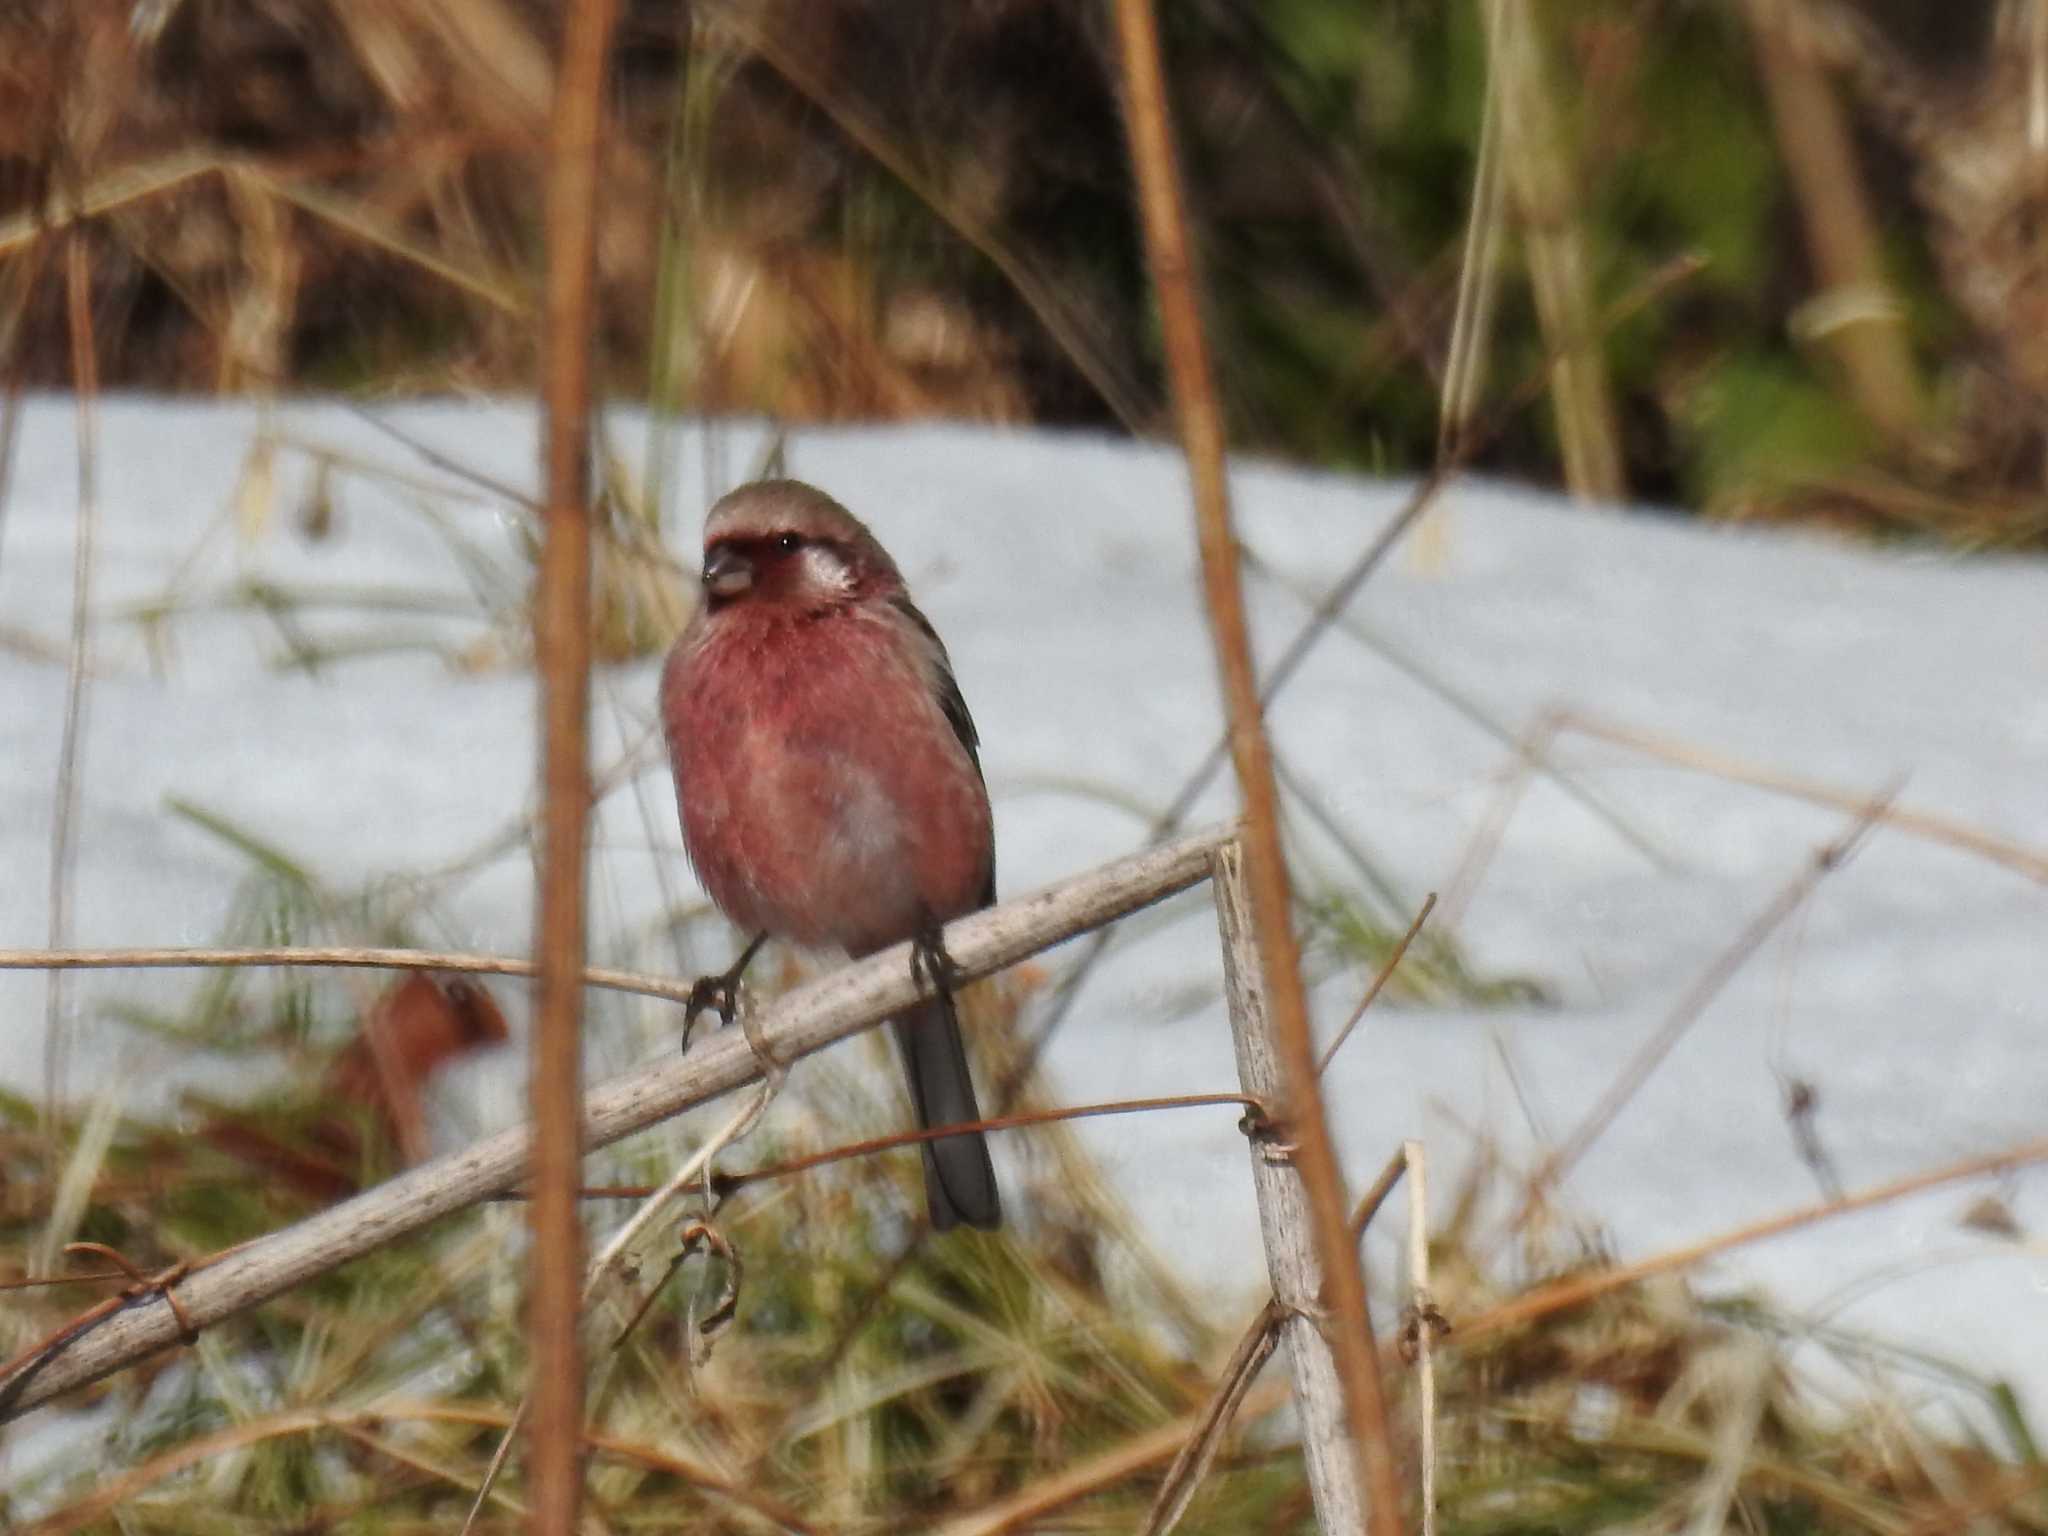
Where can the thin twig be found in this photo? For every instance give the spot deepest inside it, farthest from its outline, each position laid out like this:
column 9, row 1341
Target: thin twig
column 1531, row 752
column 77, row 674
column 803, row 1020
column 344, row 957
column 429, row 454
column 1386, row 974
column 1928, row 825
column 1472, row 709
column 1191, row 1466
column 728, row 1183
column 1577, row 1290
column 1682, row 1017
column 1370, row 1202
column 1200, row 419
column 90, row 1277
column 1029, row 1508
column 722, row 1184
column 1478, row 282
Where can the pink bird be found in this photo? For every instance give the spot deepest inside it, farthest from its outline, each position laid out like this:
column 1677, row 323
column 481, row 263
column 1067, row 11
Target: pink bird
column 828, row 778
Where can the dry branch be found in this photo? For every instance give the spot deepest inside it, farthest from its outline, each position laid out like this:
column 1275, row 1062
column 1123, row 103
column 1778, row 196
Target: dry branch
column 1423, row 1317
column 1294, row 1259
column 1340, row 1307
column 1254, row 1347
column 804, row 1020
column 561, row 633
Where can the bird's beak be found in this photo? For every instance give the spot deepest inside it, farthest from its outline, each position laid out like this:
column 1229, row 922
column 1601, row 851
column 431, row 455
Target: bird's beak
column 727, row 572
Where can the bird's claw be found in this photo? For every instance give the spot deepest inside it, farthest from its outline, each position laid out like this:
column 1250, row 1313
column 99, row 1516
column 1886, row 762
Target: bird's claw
column 711, row 994
column 719, row 994
column 931, row 967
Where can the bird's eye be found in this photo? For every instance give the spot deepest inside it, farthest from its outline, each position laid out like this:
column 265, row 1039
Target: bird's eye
column 787, row 544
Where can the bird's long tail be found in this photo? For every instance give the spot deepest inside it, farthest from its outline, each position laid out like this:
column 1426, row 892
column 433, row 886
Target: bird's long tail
column 959, row 1180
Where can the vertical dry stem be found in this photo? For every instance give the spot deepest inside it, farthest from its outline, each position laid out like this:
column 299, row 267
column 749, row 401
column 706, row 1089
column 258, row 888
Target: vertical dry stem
column 1286, row 1219
column 1555, row 245
column 1346, row 1320
column 1422, row 1310
column 1853, row 314
column 78, row 669
column 1478, row 288
column 562, row 643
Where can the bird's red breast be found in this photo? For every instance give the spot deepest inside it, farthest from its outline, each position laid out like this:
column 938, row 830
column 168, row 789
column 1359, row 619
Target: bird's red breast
column 825, row 796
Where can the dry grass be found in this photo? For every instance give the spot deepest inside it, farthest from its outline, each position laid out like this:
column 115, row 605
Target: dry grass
column 299, row 192
column 870, row 1380
column 1048, row 1372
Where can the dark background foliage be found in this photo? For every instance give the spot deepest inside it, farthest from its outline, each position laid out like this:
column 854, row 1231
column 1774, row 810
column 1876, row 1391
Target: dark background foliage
column 838, row 210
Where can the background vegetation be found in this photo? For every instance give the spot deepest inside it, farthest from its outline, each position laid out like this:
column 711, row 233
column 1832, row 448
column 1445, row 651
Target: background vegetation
column 1759, row 259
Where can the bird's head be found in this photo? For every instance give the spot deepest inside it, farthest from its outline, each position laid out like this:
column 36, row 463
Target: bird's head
column 782, row 543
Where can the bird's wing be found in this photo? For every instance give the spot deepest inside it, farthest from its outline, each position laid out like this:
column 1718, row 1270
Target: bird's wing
column 945, row 688
column 952, row 704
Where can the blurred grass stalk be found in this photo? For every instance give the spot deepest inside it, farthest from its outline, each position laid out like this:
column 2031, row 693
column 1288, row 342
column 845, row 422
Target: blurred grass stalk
column 1853, row 314
column 1478, row 292
column 562, row 648
column 675, row 341
column 1541, row 176
column 58, row 1023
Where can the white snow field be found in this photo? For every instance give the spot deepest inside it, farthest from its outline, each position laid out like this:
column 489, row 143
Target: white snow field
column 1911, row 991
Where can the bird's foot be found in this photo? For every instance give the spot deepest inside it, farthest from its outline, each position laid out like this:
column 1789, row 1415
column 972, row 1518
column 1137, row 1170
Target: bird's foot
column 931, row 967
column 719, row 994
column 711, row 994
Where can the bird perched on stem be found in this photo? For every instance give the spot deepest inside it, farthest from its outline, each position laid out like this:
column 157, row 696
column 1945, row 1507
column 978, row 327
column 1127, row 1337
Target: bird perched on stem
column 829, row 781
